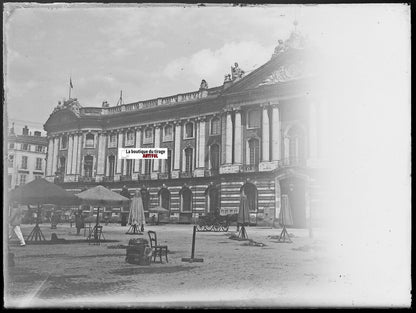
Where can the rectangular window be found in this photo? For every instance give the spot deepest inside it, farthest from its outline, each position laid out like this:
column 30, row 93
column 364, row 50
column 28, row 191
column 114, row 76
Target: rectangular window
column 22, row 180
column 11, row 159
column 215, row 126
column 129, row 139
column 189, row 130
column 148, row 136
column 253, row 119
column 11, row 145
column 24, row 162
column 25, row 147
column 89, row 141
column 39, row 149
column 64, row 142
column 113, row 141
column 38, row 164
column 168, row 133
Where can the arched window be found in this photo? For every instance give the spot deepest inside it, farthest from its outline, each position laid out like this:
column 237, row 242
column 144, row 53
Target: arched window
column 88, row 163
column 164, row 198
column 215, row 126
column 62, row 165
column 89, row 140
column 254, row 152
column 212, row 198
column 64, row 142
column 111, row 165
column 250, row 191
column 186, row 199
column 189, row 130
column 188, row 160
column 215, row 157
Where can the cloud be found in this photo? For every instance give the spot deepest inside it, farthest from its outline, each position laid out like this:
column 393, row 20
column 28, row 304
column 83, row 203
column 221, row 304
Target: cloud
column 212, row 65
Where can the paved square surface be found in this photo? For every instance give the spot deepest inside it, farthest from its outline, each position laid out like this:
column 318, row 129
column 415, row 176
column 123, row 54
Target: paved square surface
column 233, row 273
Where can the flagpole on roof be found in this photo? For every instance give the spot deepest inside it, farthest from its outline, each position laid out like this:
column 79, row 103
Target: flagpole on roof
column 70, row 86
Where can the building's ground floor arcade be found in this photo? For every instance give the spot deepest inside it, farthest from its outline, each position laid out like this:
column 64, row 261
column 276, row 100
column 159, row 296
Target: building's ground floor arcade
column 187, row 199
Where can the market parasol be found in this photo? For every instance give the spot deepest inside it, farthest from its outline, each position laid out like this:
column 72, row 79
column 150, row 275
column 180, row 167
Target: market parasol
column 100, row 196
column 136, row 214
column 243, row 217
column 39, row 192
column 158, row 209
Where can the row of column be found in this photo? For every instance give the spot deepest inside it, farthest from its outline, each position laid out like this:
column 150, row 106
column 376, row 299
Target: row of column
column 73, row 158
column 268, row 127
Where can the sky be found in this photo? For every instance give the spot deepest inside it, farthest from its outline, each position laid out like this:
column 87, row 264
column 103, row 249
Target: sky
column 146, row 52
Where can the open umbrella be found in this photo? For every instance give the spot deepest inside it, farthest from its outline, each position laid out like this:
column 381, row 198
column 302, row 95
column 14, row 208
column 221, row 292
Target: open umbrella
column 158, row 209
column 136, row 214
column 100, row 196
column 39, row 192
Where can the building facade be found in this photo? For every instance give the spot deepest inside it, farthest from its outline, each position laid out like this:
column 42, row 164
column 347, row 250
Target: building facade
column 26, row 157
column 257, row 133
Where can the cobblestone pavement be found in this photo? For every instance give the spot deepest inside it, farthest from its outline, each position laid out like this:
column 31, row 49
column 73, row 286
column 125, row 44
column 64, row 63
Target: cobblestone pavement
column 232, row 273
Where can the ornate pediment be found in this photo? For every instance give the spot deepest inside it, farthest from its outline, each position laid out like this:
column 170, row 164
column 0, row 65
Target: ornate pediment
column 284, row 73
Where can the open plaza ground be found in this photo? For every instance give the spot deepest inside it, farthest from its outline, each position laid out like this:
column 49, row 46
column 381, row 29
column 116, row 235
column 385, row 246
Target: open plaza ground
column 233, row 273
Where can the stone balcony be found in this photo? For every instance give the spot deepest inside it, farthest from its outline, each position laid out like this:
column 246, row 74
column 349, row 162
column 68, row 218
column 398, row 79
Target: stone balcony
column 86, row 179
column 125, row 178
column 185, row 175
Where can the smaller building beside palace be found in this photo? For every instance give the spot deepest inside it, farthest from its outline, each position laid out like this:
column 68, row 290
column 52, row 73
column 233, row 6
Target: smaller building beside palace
column 26, row 157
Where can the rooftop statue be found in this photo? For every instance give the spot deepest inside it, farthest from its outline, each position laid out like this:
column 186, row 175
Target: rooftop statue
column 204, row 84
column 227, row 78
column 236, row 72
column 280, row 48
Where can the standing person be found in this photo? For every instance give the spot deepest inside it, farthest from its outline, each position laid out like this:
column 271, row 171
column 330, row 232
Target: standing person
column 79, row 221
column 15, row 221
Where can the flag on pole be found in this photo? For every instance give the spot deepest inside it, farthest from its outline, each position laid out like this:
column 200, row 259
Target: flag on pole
column 70, row 83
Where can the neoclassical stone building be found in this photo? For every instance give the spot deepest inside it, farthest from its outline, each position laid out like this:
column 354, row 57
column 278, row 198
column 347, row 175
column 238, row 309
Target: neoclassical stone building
column 259, row 132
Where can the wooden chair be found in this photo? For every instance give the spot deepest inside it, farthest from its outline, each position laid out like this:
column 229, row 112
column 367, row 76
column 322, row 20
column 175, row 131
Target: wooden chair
column 157, row 250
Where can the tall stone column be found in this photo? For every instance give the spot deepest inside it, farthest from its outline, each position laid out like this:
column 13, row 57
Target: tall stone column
column 229, row 139
column 201, row 151
column 237, row 138
column 79, row 167
column 101, row 153
column 119, row 145
column 74, row 154
column 156, row 145
column 55, row 155
column 138, row 143
column 265, row 136
column 275, row 134
column 50, row 157
column 69, row 159
column 177, row 152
